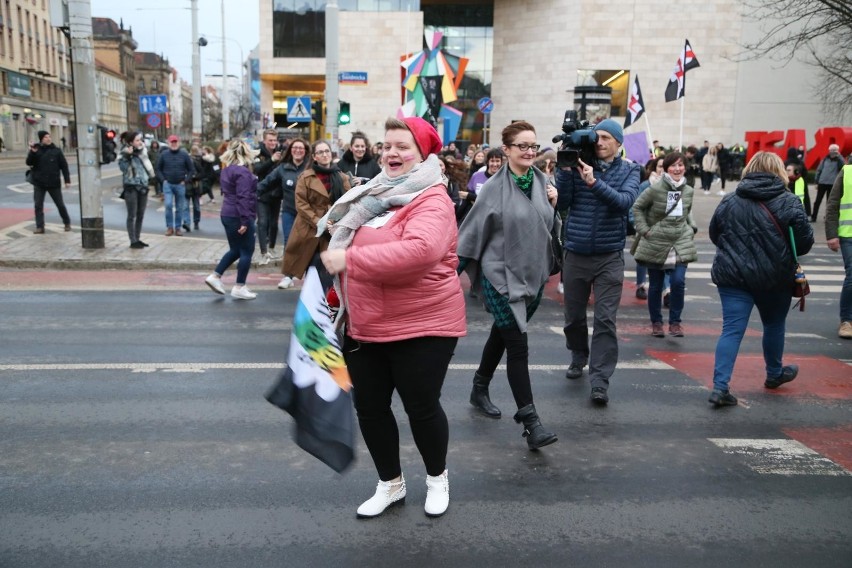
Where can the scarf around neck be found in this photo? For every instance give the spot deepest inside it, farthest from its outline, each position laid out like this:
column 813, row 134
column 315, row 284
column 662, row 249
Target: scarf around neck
column 333, row 173
column 673, row 183
column 360, row 205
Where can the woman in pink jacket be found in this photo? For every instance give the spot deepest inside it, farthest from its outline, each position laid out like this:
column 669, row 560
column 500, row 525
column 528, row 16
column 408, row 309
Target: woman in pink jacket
column 393, row 252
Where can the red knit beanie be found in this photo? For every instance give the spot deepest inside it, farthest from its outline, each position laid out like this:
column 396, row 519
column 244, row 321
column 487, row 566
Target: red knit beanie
column 425, row 135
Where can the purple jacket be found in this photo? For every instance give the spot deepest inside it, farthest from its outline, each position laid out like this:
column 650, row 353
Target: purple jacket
column 239, row 189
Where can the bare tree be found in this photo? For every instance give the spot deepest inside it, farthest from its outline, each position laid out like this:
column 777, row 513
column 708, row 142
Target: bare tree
column 818, row 31
column 241, row 115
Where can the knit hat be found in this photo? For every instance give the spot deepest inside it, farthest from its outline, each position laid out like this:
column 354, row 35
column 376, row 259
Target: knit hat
column 612, row 127
column 41, row 134
column 425, row 135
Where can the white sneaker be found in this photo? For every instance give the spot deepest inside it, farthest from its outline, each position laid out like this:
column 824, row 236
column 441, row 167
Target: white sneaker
column 242, row 293
column 215, row 284
column 285, row 283
column 387, row 493
column 272, row 254
column 721, row 192
column 264, row 259
column 560, row 288
column 437, row 495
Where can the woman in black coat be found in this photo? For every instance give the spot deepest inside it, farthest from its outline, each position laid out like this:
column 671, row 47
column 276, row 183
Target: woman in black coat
column 754, row 266
column 357, row 161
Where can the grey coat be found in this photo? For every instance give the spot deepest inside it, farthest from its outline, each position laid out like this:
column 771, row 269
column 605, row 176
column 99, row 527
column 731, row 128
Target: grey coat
column 658, row 233
column 506, row 238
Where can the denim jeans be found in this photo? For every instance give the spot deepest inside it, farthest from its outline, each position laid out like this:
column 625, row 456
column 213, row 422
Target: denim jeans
column 773, row 307
column 175, row 196
column 287, row 220
column 242, row 248
column 846, row 292
column 195, row 199
column 264, row 212
column 677, row 287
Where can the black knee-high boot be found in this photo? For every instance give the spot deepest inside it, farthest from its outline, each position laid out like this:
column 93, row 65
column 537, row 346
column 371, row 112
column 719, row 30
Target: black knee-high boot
column 534, row 432
column 479, row 397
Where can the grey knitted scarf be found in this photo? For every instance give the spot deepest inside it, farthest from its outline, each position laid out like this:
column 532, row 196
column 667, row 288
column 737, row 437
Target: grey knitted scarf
column 361, row 204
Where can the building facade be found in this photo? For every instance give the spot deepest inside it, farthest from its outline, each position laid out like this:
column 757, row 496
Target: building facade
column 35, row 76
column 529, row 55
column 112, row 97
column 116, row 48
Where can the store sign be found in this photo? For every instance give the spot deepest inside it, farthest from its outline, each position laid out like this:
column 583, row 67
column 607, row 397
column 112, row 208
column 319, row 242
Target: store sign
column 352, row 77
column 768, row 142
column 19, row 85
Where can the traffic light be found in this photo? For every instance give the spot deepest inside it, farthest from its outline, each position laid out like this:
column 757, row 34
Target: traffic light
column 316, row 114
column 108, row 153
column 343, row 117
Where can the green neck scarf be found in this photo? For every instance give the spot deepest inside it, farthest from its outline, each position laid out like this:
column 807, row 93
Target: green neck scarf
column 524, row 182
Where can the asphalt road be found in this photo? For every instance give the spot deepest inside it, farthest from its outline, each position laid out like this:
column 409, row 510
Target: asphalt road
column 133, row 432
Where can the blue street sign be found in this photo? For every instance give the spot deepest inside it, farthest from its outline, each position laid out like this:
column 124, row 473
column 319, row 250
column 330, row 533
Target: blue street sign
column 153, row 120
column 485, row 105
column 156, row 104
column 298, row 109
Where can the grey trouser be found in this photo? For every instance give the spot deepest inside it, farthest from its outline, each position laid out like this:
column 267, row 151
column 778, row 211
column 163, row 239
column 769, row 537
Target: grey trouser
column 136, row 202
column 604, row 273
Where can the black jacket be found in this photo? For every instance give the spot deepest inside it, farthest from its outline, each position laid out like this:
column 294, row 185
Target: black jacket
column 48, row 162
column 751, row 254
column 366, row 168
column 263, row 164
column 281, row 184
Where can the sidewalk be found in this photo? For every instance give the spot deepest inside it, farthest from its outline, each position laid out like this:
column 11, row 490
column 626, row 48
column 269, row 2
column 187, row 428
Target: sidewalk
column 56, row 249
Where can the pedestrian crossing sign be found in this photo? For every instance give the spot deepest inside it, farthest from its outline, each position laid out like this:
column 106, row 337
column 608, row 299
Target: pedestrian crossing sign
column 298, row 109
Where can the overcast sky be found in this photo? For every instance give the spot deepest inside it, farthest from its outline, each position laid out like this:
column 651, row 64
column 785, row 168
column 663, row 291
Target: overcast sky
column 165, row 26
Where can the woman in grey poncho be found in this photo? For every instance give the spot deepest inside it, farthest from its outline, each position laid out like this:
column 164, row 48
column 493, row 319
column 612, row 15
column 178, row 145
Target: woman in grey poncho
column 504, row 244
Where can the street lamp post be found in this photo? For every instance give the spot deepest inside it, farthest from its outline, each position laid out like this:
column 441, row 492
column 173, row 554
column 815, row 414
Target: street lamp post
column 225, row 94
column 196, row 75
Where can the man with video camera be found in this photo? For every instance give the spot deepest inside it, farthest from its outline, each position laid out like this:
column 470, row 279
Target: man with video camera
column 598, row 196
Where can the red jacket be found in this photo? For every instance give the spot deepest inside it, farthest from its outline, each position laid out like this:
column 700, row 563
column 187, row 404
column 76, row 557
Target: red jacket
column 400, row 280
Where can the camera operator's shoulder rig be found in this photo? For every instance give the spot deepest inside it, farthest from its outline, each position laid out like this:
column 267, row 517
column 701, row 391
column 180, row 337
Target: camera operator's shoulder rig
column 577, row 142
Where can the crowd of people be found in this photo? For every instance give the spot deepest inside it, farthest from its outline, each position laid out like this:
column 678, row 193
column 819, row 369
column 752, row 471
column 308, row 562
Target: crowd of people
column 395, row 224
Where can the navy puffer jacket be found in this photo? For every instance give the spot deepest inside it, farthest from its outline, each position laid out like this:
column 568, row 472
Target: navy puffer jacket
column 750, row 252
column 597, row 216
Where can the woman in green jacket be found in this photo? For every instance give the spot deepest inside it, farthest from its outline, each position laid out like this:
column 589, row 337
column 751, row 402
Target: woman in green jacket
column 666, row 240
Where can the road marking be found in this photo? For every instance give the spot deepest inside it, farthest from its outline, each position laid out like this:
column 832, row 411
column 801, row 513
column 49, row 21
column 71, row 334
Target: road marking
column 28, row 188
column 641, row 364
column 779, row 457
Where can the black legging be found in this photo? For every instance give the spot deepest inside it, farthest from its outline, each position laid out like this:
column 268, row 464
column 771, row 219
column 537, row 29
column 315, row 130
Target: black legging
column 415, row 368
column 822, row 189
column 514, row 343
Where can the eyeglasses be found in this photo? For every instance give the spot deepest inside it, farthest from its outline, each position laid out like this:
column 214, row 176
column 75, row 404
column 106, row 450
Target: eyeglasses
column 526, row 147
column 318, row 152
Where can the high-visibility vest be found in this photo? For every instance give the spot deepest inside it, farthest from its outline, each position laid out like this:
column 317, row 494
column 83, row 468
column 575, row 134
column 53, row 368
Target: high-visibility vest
column 844, row 228
column 799, row 188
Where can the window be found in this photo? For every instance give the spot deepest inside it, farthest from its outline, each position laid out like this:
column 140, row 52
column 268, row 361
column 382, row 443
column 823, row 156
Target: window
column 616, row 79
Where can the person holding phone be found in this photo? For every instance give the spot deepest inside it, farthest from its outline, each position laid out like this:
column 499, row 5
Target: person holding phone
column 48, row 163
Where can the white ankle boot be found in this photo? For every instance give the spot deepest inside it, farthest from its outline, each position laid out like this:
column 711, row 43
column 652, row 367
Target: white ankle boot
column 387, row 493
column 437, row 495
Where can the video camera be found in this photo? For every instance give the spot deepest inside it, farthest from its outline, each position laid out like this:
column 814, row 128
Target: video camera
column 578, row 142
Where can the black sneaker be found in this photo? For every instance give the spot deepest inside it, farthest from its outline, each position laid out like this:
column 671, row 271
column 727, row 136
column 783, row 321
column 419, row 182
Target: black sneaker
column 575, row 370
column 599, row 396
column 144, row 244
column 641, row 293
column 186, row 228
column 137, row 245
column 788, row 373
column 719, row 398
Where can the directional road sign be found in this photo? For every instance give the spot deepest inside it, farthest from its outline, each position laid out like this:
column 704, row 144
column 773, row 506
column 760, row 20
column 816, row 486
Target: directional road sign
column 298, row 109
column 157, row 104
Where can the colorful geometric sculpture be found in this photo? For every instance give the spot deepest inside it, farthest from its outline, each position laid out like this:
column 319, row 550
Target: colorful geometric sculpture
column 432, row 79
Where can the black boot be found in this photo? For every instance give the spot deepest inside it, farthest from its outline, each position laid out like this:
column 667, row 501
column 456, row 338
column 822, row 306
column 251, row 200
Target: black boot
column 537, row 437
column 479, row 397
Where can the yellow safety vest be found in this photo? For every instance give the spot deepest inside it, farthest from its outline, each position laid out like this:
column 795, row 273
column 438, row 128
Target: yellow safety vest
column 799, row 188
column 844, row 228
